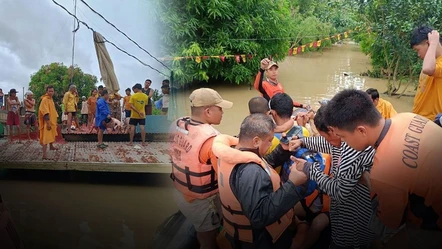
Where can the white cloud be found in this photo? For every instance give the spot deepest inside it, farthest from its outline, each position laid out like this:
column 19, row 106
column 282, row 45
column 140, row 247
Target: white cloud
column 32, row 35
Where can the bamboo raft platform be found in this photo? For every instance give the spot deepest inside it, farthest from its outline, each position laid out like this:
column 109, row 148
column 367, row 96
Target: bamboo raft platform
column 86, row 156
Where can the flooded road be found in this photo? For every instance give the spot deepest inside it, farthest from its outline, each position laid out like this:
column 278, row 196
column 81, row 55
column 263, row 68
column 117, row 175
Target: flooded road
column 98, row 210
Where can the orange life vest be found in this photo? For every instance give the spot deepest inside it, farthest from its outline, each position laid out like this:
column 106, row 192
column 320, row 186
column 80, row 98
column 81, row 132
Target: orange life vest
column 319, row 194
column 190, row 176
column 236, row 223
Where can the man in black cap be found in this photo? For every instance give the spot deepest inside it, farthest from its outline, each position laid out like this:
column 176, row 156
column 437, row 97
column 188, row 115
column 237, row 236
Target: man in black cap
column 13, row 118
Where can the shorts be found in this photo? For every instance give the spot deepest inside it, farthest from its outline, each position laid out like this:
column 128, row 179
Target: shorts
column 101, row 126
column 127, row 113
column 136, row 121
column 148, row 109
column 205, row 215
column 30, row 118
column 73, row 114
column 13, row 119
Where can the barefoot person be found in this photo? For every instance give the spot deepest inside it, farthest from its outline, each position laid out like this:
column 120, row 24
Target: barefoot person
column 47, row 116
column 70, row 101
column 13, row 118
column 30, row 118
column 405, row 179
column 138, row 101
column 102, row 117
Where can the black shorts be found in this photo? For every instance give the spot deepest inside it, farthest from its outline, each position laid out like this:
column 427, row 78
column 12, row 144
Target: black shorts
column 136, row 121
column 73, row 114
column 127, row 113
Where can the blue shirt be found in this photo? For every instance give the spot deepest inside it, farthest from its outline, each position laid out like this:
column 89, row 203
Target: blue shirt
column 102, row 111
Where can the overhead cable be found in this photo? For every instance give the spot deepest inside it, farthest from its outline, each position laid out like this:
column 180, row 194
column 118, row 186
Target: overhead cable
column 87, row 26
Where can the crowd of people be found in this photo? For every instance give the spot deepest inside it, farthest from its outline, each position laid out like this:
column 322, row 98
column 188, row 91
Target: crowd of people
column 375, row 183
column 100, row 112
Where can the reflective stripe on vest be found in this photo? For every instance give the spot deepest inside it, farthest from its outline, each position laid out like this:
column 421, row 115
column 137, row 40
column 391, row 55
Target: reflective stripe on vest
column 325, row 198
column 190, row 177
column 236, row 223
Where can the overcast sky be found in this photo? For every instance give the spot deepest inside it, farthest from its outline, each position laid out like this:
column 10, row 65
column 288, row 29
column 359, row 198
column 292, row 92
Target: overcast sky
column 36, row 33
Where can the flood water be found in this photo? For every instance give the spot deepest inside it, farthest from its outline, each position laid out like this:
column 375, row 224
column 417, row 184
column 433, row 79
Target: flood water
column 99, row 210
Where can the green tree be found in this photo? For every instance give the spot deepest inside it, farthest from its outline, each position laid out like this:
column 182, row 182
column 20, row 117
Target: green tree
column 59, row 76
column 223, row 27
column 384, row 34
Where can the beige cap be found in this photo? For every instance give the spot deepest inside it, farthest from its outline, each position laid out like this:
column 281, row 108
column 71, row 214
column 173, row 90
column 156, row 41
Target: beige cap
column 271, row 64
column 207, row 97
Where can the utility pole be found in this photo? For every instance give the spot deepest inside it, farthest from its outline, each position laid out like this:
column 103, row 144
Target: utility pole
column 73, row 41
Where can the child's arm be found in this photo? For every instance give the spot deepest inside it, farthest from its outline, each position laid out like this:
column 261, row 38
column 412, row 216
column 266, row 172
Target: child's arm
column 285, row 127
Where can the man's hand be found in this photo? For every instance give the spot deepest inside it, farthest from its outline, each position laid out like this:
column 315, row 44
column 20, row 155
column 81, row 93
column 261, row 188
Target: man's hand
column 433, row 37
column 299, row 163
column 264, row 63
column 307, row 107
column 48, row 126
column 298, row 177
column 295, row 143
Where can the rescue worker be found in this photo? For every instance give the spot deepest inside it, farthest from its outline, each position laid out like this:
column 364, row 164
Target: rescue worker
column 384, row 107
column 350, row 207
column 257, row 208
column 405, row 177
column 194, row 165
column 271, row 86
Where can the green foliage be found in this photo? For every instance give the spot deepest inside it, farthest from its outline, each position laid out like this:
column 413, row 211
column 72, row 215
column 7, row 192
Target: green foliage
column 59, row 76
column 254, row 27
column 385, row 31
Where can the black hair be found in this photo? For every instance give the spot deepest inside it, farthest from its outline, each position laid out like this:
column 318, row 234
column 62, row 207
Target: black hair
column 420, row 34
column 256, row 125
column 100, row 87
column 166, row 81
column 258, row 105
column 148, row 80
column 128, row 89
column 373, row 93
column 282, row 104
column 49, row 87
column 319, row 121
column 137, row 86
column 350, row 108
column 104, row 92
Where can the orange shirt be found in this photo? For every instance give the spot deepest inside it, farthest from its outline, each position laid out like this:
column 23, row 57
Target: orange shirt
column 126, row 100
column 406, row 168
column 428, row 99
column 385, row 108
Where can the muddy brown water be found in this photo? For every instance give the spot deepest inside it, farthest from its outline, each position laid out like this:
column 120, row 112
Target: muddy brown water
column 116, row 210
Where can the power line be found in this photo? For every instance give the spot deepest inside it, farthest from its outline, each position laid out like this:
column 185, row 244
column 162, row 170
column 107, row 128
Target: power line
column 87, row 26
column 125, row 35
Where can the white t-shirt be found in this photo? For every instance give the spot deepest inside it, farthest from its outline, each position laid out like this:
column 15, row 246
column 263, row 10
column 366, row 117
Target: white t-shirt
column 84, row 107
column 166, row 101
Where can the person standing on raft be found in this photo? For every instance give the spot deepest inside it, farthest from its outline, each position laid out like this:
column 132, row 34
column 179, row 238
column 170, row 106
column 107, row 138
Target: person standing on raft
column 271, row 86
column 47, row 119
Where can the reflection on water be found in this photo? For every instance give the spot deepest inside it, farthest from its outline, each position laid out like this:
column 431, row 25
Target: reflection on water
column 56, row 210
column 307, row 78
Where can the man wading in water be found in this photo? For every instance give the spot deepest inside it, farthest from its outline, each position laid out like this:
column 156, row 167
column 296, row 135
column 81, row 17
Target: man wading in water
column 271, row 86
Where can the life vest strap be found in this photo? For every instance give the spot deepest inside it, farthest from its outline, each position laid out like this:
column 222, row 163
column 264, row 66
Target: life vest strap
column 231, row 211
column 236, row 226
column 191, row 173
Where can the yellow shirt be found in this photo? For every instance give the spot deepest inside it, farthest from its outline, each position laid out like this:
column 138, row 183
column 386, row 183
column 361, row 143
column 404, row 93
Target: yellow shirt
column 385, row 108
column 428, row 99
column 70, row 102
column 138, row 100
